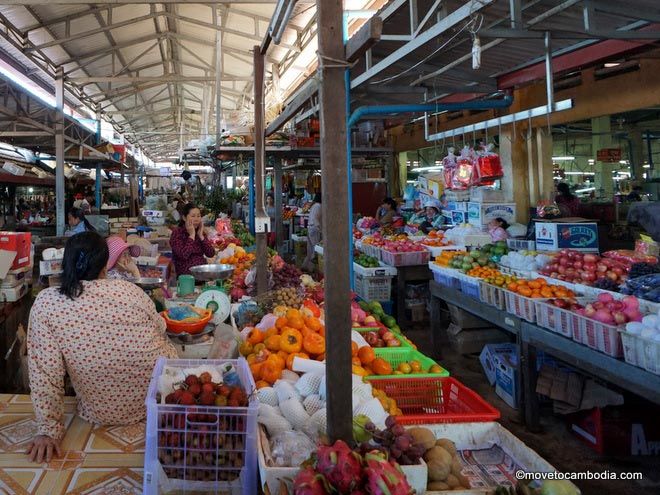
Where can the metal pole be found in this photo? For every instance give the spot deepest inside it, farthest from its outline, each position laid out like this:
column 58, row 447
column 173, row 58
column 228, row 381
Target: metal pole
column 334, row 213
column 97, row 189
column 251, row 195
column 349, row 161
column 277, row 169
column 549, row 79
column 262, row 222
column 59, row 150
column 218, row 82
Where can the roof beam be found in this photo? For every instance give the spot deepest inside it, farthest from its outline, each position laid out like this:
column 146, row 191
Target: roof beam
column 165, row 78
column 569, row 35
column 459, row 15
column 131, row 2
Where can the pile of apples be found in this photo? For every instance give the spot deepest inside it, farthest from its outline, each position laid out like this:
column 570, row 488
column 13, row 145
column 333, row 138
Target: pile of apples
column 575, row 267
column 605, row 309
column 382, row 337
column 404, row 246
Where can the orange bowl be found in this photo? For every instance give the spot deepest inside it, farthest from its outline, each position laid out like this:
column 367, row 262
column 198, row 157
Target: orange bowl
column 190, row 328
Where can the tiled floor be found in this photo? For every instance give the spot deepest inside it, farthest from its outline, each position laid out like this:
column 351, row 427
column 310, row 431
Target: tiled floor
column 96, row 460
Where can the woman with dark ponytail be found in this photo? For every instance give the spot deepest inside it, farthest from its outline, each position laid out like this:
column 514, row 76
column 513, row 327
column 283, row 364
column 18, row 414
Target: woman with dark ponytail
column 105, row 333
column 78, row 223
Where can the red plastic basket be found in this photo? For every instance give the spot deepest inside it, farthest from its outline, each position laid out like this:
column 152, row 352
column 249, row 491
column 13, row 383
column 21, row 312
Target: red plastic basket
column 436, row 400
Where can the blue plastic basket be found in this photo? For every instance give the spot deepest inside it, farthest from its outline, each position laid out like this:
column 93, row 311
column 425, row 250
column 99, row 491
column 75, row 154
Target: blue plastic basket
column 201, row 449
column 470, row 287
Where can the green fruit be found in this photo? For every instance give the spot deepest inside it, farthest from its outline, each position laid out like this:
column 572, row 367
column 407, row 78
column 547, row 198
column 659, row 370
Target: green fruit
column 388, row 321
column 487, row 248
column 375, row 306
column 466, row 267
column 360, row 433
column 483, row 261
column 498, row 251
column 475, row 254
column 395, row 328
column 364, row 306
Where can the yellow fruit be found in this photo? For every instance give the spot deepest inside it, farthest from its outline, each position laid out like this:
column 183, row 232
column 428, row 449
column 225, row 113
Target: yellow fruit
column 397, row 372
column 435, row 369
column 404, row 368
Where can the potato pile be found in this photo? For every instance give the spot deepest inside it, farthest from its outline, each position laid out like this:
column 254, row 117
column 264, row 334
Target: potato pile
column 444, row 467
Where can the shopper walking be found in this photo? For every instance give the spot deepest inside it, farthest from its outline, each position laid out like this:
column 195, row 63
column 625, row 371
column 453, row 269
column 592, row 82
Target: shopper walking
column 314, row 232
column 105, row 334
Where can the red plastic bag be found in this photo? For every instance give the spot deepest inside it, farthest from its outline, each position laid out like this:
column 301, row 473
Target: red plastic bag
column 489, row 166
column 464, row 174
column 628, row 256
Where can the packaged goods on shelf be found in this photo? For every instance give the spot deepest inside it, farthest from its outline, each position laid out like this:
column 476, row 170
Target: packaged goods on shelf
column 480, row 214
column 566, row 234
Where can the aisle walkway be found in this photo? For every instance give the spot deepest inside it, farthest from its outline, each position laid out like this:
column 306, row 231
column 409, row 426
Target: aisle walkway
column 555, row 444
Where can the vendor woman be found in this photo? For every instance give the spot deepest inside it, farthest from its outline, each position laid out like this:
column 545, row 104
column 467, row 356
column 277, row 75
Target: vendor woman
column 189, row 242
column 432, row 217
column 105, row 334
column 121, row 264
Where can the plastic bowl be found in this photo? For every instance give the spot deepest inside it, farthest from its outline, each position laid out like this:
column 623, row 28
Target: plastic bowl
column 190, row 328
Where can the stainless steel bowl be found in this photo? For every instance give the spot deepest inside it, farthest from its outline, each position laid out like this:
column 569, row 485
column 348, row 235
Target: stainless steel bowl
column 206, row 273
column 148, row 282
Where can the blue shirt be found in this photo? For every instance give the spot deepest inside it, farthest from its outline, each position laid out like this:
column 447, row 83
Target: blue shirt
column 76, row 230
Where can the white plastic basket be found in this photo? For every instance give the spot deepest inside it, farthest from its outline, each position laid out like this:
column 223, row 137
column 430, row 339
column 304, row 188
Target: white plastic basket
column 373, row 288
column 448, row 277
column 371, row 250
column 633, row 348
column 650, row 354
column 492, row 295
column 226, row 435
column 437, row 250
column 405, row 259
column 382, row 270
column 561, row 321
column 521, row 244
column 602, row 337
column 522, row 307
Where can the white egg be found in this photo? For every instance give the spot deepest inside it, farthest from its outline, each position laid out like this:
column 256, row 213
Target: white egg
column 650, row 321
column 648, row 332
column 634, row 327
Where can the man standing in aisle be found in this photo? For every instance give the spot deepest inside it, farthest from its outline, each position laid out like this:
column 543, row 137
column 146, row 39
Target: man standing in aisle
column 313, row 232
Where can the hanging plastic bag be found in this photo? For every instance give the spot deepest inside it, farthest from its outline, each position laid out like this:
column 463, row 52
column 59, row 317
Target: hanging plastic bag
column 449, row 167
column 489, row 165
column 462, row 178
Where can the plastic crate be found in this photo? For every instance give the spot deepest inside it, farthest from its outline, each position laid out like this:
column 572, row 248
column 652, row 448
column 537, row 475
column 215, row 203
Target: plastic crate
column 177, row 435
column 405, row 259
column 561, row 321
column 437, row 250
column 373, row 288
column 395, row 356
column 492, row 295
column 633, row 348
column 371, row 250
column 602, row 337
column 521, row 244
column 649, row 350
column 445, row 276
column 381, row 271
column 470, row 286
column 522, row 307
column 435, row 400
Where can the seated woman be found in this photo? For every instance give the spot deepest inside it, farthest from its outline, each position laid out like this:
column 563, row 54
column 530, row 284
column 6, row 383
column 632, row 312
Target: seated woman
column 106, row 334
column 121, row 264
column 189, row 241
column 386, row 212
column 497, row 229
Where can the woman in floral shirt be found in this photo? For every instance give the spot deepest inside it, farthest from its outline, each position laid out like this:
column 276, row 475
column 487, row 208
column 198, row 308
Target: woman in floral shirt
column 106, row 334
column 189, row 241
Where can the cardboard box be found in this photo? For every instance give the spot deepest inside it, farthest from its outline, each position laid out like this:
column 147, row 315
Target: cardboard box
column 488, row 358
column 506, row 379
column 465, row 319
column 480, row 214
column 50, row 267
column 474, row 340
column 19, row 243
column 455, row 217
column 13, row 294
column 457, row 206
column 486, row 195
column 556, row 235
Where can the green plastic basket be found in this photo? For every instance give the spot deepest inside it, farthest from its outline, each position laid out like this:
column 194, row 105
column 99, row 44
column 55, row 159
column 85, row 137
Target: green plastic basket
column 396, row 356
column 404, row 344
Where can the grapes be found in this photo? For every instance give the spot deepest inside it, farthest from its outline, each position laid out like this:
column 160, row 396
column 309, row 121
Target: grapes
column 606, row 284
column 398, row 443
column 369, row 426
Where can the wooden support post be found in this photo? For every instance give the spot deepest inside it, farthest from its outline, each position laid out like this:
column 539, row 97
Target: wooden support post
column 259, row 160
column 277, row 178
column 59, row 151
column 513, row 153
column 335, row 215
column 544, row 162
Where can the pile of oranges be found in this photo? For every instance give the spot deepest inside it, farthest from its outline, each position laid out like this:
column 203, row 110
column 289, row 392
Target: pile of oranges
column 297, row 332
column 239, row 258
column 435, row 239
column 484, row 272
column 365, row 362
column 539, row 288
column 446, row 256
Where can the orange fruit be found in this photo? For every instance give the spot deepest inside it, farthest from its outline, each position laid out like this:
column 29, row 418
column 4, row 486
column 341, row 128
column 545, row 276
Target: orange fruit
column 354, row 348
column 512, row 286
column 381, row 367
column 281, row 322
column 296, row 322
column 356, row 361
column 366, row 354
column 313, row 323
column 436, row 368
column 262, row 384
column 415, row 366
column 293, row 313
column 534, row 285
column 525, row 292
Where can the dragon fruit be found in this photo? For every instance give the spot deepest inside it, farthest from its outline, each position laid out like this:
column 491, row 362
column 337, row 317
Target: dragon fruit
column 384, row 477
column 341, row 466
column 309, row 482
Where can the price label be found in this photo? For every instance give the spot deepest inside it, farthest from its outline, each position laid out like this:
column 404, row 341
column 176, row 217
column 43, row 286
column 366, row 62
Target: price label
column 510, row 322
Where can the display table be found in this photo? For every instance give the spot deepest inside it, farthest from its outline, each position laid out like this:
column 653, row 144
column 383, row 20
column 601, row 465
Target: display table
column 95, row 459
column 404, row 274
column 531, row 337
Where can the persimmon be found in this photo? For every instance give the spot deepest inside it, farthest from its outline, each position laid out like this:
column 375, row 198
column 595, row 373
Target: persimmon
column 366, row 354
column 381, row 367
column 273, row 343
column 255, row 336
column 289, row 360
column 313, row 343
column 354, row 348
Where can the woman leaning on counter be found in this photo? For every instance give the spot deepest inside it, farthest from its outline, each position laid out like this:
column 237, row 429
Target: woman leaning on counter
column 189, row 242
column 105, row 334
